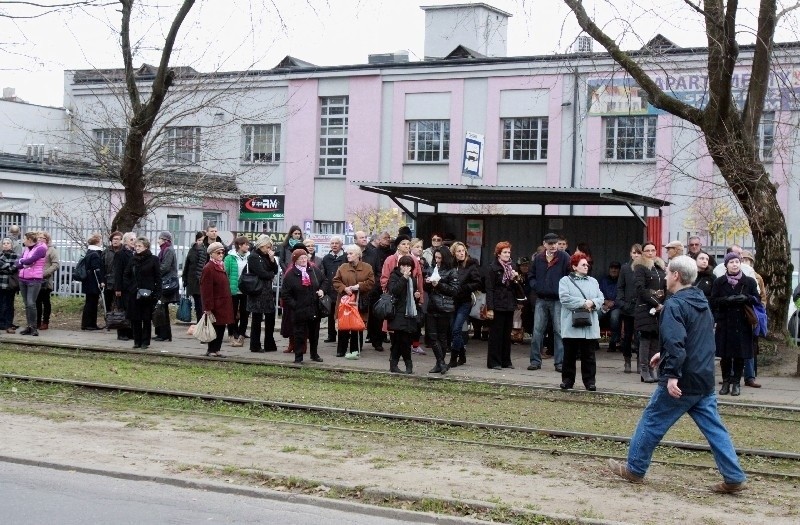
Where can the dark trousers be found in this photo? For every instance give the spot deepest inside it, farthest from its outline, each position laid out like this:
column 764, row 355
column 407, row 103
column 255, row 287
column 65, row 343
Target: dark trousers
column 6, row 308
column 437, row 327
column 332, row 322
column 89, row 317
column 198, row 306
column 349, row 338
column 239, row 327
column 215, row 345
column 499, row 350
column 585, row 348
column 401, row 346
column 627, row 335
column 305, row 330
column 269, row 332
column 43, row 307
column 732, row 369
column 108, row 296
column 375, row 331
column 164, row 331
column 141, row 331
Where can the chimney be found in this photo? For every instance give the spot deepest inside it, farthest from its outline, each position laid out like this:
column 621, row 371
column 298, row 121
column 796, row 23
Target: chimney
column 479, row 27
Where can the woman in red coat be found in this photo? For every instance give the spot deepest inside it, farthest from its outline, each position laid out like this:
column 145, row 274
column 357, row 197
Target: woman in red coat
column 215, row 294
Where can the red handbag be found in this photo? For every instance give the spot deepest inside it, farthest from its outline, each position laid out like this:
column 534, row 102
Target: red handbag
column 348, row 317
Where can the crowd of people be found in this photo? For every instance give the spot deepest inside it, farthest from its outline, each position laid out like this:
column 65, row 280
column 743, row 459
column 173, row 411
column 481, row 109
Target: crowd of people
column 436, row 293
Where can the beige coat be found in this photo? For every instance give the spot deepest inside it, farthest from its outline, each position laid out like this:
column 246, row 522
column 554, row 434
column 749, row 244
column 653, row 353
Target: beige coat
column 349, row 275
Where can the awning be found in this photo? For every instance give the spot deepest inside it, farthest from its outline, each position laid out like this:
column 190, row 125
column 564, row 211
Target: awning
column 435, row 194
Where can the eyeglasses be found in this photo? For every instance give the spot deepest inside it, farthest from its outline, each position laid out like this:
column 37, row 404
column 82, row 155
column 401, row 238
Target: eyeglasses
column 436, row 239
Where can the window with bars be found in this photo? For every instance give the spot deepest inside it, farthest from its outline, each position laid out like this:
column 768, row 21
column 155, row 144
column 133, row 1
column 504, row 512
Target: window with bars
column 183, row 145
column 261, row 143
column 765, row 136
column 329, row 227
column 525, row 138
column 211, row 218
column 428, row 140
column 333, row 126
column 631, row 138
column 110, row 142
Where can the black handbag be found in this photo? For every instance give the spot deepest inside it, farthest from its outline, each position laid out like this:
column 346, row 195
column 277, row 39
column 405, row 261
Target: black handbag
column 144, row 293
column 160, row 315
column 250, row 283
column 115, row 319
column 384, row 307
column 169, row 284
column 325, row 305
column 581, row 318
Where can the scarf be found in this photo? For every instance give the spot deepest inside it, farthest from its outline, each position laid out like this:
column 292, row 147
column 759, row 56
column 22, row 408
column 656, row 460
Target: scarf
column 733, row 280
column 306, row 280
column 219, row 264
column 163, row 250
column 293, row 243
column 508, row 271
column 411, row 304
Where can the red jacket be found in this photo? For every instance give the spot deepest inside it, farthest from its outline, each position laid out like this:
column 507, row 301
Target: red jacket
column 215, row 292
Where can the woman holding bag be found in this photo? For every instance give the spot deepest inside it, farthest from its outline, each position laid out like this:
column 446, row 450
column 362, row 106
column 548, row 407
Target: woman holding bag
column 168, row 265
column 215, row 291
column 303, row 286
column 353, row 279
column 578, row 292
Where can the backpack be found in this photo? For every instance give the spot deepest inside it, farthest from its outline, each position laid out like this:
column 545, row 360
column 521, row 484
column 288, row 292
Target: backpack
column 80, row 273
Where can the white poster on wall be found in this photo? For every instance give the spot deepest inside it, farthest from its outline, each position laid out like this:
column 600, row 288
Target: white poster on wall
column 472, row 165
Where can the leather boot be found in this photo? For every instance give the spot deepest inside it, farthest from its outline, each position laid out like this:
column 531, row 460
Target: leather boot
column 409, row 367
column 726, row 388
column 644, row 369
column 627, row 365
column 393, row 368
column 736, row 388
column 437, row 352
column 462, row 357
column 454, row 358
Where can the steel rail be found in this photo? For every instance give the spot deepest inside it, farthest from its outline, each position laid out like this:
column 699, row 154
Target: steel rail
column 386, row 415
column 467, row 380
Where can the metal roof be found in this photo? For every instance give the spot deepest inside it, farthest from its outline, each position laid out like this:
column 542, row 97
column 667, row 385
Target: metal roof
column 435, row 194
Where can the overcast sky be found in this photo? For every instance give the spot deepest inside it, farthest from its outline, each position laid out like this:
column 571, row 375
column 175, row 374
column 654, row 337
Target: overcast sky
column 244, row 34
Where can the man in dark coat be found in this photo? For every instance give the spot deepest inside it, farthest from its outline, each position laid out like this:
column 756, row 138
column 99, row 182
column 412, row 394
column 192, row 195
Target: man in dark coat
column 330, row 264
column 547, row 269
column 375, row 254
column 626, row 301
column 122, row 259
column 686, row 383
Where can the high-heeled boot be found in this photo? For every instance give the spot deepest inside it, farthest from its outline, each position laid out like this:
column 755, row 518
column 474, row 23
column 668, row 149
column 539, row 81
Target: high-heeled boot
column 409, row 366
column 644, row 368
column 393, row 368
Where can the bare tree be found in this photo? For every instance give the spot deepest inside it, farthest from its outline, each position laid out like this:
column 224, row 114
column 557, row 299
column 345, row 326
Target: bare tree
column 729, row 131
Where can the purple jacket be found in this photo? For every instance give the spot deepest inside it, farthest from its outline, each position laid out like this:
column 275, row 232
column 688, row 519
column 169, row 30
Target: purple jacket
column 31, row 264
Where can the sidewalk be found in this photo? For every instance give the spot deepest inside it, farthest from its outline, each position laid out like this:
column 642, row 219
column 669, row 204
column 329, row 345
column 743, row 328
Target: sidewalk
column 610, row 378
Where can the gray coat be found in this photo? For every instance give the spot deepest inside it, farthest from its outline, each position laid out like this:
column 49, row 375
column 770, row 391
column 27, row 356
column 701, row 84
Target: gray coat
column 571, row 299
column 169, row 268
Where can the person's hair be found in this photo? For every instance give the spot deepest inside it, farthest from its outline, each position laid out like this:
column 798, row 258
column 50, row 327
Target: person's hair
column 447, row 258
column 615, row 264
column 353, row 248
column 416, row 240
column 241, row 240
column 686, row 268
column 112, row 235
column 309, row 242
column 437, row 234
column 404, row 230
column 456, row 245
column 199, row 235
column 335, row 238
column 128, row 236
column 584, row 247
column 692, row 237
column 31, row 236
column 94, row 240
column 645, row 245
column 577, row 257
column 636, row 247
column 562, row 237
column 294, row 228
column 145, row 241
column 405, row 260
column 502, row 245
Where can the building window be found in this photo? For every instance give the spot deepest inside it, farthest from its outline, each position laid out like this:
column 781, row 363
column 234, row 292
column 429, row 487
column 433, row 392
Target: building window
column 110, row 142
column 175, row 224
column 631, row 138
column 765, row 136
column 327, row 227
column 261, row 143
column 183, row 145
column 334, row 121
column 525, row 138
column 428, row 140
column 211, row 218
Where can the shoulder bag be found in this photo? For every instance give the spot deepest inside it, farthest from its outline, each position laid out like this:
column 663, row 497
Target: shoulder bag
column 250, row 283
column 383, row 308
column 184, row 309
column 325, row 303
column 581, row 318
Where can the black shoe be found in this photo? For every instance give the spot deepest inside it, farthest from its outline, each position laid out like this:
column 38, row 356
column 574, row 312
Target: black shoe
column 565, row 386
column 159, row 338
column 509, row 366
column 137, row 346
column 339, row 354
column 736, row 388
column 534, row 367
column 591, row 388
column 316, row 358
column 257, row 350
column 329, row 340
column 91, row 328
column 36, row 333
column 145, row 347
column 27, row 331
column 300, row 362
column 496, row 367
column 558, row 369
column 123, row 338
column 378, row 348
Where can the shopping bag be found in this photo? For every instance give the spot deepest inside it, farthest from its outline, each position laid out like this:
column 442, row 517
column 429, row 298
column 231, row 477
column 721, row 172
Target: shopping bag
column 517, row 319
column 348, row 317
column 205, row 331
column 478, row 310
column 185, row 309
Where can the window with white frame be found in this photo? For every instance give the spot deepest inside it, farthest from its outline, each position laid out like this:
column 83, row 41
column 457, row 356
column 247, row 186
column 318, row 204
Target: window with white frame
column 765, row 136
column 631, row 138
column 212, row 218
column 525, row 138
column 329, row 227
column 183, row 145
column 334, row 121
column 261, row 143
column 110, row 142
column 428, row 140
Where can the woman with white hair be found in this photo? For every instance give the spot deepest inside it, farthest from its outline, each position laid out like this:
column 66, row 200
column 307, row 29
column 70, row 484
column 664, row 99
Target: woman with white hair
column 262, row 263
column 353, row 279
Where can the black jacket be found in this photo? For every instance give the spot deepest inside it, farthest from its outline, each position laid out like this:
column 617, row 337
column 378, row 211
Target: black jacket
column 500, row 296
column 303, row 300
column 260, row 264
column 142, row 272
column 196, row 259
column 734, row 335
column 398, row 287
column 651, row 290
column 626, row 290
column 469, row 280
column 544, row 279
column 95, row 272
column 330, row 264
column 440, row 297
column 705, row 280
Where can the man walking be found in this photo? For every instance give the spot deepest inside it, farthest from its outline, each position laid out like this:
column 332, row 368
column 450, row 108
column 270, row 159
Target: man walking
column 686, row 383
column 547, row 269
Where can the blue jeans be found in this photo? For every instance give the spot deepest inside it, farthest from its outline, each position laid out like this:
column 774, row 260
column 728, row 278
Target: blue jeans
column 546, row 310
column 663, row 411
column 750, row 369
column 459, row 318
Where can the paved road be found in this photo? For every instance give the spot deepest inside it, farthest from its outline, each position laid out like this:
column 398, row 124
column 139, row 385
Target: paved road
column 31, row 495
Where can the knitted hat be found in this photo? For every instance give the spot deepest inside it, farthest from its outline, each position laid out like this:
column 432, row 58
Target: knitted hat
column 214, row 246
column 167, row 236
column 262, row 240
column 732, row 255
column 297, row 253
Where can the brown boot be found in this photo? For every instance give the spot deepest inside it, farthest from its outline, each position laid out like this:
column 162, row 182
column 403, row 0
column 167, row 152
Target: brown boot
column 622, row 471
column 44, row 326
